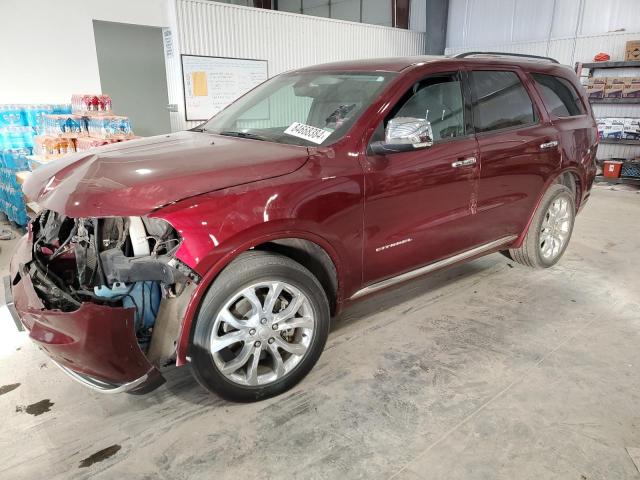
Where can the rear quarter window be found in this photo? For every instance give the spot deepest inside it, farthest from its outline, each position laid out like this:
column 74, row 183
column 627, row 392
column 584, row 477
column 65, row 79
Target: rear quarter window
column 559, row 95
column 500, row 101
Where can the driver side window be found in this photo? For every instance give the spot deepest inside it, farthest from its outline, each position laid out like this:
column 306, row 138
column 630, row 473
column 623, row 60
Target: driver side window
column 436, row 98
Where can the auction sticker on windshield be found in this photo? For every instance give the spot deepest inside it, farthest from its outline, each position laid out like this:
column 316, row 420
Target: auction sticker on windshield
column 308, row 132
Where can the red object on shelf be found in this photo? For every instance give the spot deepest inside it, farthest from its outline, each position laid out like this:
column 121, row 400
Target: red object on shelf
column 602, row 57
column 612, row 168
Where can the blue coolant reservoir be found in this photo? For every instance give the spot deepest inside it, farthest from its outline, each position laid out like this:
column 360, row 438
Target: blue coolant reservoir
column 143, row 296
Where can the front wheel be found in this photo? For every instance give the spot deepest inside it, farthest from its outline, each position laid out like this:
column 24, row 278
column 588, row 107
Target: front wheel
column 262, row 326
column 550, row 229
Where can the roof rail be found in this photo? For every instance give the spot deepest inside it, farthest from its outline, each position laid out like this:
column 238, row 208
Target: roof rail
column 524, row 55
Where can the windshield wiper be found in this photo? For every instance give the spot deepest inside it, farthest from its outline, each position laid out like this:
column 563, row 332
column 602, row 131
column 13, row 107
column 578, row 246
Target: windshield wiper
column 251, row 136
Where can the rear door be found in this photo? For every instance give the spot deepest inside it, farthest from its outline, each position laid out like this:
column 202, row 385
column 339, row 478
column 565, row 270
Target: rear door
column 518, row 150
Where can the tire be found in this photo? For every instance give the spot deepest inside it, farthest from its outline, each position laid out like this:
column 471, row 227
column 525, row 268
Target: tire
column 229, row 308
column 540, row 249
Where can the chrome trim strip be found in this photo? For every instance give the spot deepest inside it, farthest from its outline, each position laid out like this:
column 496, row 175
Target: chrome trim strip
column 99, row 385
column 432, row 266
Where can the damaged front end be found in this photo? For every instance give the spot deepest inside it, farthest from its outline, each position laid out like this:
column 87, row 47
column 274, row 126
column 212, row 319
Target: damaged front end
column 104, row 297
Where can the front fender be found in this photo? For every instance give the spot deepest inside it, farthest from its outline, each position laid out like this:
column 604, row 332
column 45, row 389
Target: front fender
column 217, row 227
column 243, row 243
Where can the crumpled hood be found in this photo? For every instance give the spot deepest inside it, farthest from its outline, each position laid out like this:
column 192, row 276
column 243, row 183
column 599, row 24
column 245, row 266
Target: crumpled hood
column 134, row 178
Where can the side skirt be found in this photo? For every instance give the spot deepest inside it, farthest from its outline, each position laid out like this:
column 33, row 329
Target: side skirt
column 433, row 266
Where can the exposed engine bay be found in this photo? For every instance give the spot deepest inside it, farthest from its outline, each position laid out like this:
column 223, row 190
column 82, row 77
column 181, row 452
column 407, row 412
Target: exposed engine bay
column 117, row 261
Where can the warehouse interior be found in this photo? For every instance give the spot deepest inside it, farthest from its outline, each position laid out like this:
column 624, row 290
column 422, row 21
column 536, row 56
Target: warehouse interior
column 119, row 158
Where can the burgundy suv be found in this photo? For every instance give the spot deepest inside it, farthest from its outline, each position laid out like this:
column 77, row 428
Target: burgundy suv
column 230, row 246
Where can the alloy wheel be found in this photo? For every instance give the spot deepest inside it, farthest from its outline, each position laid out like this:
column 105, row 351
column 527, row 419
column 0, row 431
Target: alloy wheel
column 262, row 333
column 556, row 227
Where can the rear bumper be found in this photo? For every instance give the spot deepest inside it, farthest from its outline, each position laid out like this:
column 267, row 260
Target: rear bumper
column 96, row 345
column 589, row 177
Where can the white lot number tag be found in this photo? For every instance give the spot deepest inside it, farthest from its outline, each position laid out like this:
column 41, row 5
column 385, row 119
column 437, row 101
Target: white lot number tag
column 307, row 132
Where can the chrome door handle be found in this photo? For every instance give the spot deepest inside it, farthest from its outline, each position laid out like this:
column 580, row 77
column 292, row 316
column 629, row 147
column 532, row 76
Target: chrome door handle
column 464, row 163
column 548, row 145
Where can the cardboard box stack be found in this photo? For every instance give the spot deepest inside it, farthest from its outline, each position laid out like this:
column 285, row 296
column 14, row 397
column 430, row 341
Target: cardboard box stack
column 613, row 87
column 595, row 87
column 632, row 50
column 618, row 128
column 631, row 129
column 631, row 88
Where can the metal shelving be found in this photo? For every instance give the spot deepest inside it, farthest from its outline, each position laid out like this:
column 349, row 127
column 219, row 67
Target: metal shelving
column 623, row 100
column 631, row 64
column 622, row 141
column 619, row 181
column 616, row 107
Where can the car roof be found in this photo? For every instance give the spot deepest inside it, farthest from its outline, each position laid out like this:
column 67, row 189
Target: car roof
column 397, row 64
column 390, row 64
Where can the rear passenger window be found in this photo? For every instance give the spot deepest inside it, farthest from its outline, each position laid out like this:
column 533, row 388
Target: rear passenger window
column 500, row 101
column 559, row 95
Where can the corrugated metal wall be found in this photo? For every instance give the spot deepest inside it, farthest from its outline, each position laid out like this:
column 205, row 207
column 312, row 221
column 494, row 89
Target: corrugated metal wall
column 565, row 50
column 582, row 49
column 480, row 23
column 287, row 41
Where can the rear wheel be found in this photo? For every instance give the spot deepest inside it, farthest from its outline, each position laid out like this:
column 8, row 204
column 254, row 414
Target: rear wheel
column 261, row 328
column 550, row 229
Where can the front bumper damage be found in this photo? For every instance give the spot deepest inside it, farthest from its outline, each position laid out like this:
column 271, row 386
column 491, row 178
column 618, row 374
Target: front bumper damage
column 95, row 344
column 97, row 341
column 145, row 384
column 8, row 299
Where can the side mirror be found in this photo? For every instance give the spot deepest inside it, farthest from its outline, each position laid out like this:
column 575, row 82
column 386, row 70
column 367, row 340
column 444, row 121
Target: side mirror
column 404, row 134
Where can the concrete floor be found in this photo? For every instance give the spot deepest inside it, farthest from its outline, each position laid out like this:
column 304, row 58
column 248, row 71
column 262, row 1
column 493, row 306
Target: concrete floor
column 489, row 370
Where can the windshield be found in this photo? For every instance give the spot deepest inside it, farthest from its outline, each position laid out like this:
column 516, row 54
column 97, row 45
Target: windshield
column 308, row 109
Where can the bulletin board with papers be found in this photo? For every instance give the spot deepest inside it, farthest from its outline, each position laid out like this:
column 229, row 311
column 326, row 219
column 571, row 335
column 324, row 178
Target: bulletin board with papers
column 212, row 83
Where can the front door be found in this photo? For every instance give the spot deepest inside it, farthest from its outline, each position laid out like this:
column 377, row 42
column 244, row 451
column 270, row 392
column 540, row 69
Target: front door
column 418, row 204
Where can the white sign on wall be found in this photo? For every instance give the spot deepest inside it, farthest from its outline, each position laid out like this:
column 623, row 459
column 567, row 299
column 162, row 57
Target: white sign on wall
column 212, row 83
column 167, row 39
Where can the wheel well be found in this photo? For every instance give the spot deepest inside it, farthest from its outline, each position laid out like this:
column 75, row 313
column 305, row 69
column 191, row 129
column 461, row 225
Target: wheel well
column 572, row 182
column 312, row 256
